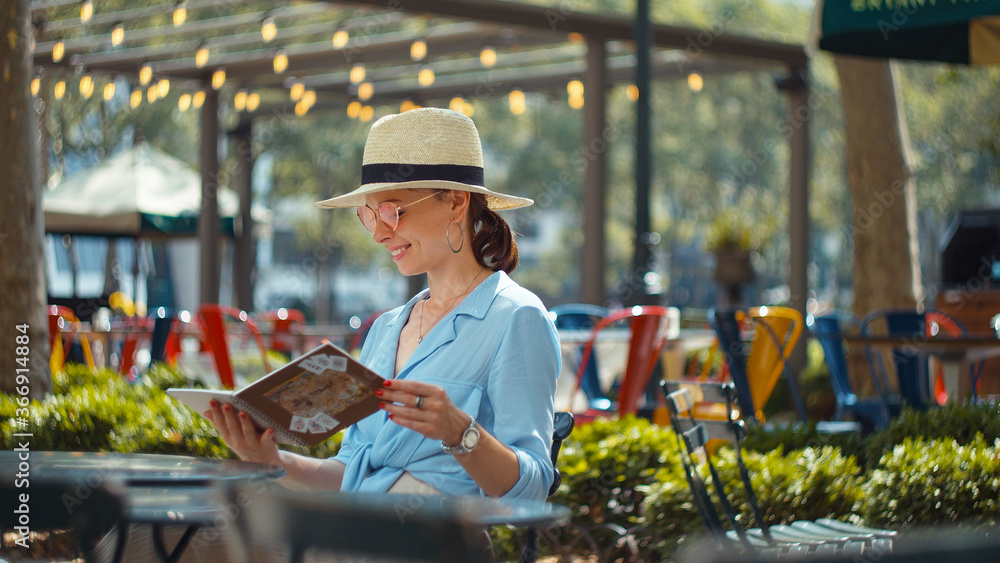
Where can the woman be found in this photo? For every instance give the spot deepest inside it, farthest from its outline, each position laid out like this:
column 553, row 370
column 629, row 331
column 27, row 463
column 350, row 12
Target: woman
column 470, row 363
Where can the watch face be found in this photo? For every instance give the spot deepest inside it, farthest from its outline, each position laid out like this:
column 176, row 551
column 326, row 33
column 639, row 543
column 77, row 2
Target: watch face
column 470, row 439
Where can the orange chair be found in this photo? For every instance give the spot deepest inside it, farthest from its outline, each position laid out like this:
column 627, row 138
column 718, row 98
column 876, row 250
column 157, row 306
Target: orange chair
column 281, row 322
column 650, row 329
column 212, row 318
column 940, row 323
column 776, row 332
column 137, row 330
column 62, row 324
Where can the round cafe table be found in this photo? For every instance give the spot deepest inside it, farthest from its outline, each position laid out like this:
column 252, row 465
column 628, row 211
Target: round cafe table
column 158, row 490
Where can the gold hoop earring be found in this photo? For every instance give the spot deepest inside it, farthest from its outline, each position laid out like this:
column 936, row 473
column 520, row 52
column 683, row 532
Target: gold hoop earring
column 447, row 237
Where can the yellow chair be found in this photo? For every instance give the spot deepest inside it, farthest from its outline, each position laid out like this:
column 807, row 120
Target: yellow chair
column 63, row 323
column 776, row 331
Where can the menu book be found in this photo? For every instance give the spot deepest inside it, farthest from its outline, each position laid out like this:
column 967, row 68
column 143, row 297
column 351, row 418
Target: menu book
column 305, row 401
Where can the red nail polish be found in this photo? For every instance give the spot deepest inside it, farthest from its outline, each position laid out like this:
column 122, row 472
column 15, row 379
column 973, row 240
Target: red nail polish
column 213, row 403
column 387, row 383
column 381, row 405
column 243, row 414
column 379, row 392
column 390, row 416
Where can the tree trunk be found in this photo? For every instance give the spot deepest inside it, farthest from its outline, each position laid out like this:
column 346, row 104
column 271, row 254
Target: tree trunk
column 883, row 200
column 22, row 273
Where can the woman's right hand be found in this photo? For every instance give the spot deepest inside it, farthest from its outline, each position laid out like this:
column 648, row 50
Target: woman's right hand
column 237, row 430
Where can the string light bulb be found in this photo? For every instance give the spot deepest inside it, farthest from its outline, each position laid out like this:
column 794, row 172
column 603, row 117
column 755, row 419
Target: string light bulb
column 240, row 101
column 365, row 91
column 152, row 93
column 59, row 90
column 253, row 102
column 135, row 98
column 425, row 77
column 86, row 11
column 36, row 85
column 58, row 51
column 218, row 78
column 367, row 113
column 184, row 102
column 280, row 62
column 163, row 88
column 180, row 15
column 358, row 73
column 268, row 30
column 518, row 103
column 418, row 50
column 109, row 91
column 201, row 57
column 117, row 34
column 354, row 109
column 86, row 85
column 407, row 105
column 695, row 82
column 340, row 38
column 488, row 56
column 574, row 88
column 198, row 99
column 296, row 91
column 145, row 74
column 632, row 93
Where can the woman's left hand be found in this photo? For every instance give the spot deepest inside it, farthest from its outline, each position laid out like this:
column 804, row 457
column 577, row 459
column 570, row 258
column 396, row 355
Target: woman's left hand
column 423, row 408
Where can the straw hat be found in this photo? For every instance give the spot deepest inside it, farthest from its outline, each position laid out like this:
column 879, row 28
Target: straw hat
column 424, row 148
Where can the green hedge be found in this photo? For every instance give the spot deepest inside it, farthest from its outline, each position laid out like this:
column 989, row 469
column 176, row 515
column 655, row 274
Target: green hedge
column 102, row 411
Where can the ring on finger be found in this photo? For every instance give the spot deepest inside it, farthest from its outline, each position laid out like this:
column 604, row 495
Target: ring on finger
column 420, row 401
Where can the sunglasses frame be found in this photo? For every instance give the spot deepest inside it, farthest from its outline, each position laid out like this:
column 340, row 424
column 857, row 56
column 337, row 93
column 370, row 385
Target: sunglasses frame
column 376, row 214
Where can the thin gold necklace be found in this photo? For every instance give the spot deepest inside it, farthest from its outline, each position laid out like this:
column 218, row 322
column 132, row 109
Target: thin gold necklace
column 420, row 328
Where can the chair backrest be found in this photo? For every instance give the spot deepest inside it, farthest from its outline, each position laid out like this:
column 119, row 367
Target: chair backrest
column 62, row 322
column 281, row 322
column 828, row 330
column 726, row 324
column 561, row 429
column 583, row 316
column 212, row 317
column 776, row 332
column 651, row 327
column 911, row 367
column 164, row 343
column 411, row 528
column 695, row 455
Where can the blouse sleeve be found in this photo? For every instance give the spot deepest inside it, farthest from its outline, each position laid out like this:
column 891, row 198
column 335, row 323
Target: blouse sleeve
column 521, row 389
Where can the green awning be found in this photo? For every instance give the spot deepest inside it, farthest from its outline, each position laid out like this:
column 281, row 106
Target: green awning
column 963, row 31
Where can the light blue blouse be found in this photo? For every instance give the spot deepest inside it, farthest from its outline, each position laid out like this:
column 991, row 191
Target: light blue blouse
column 497, row 356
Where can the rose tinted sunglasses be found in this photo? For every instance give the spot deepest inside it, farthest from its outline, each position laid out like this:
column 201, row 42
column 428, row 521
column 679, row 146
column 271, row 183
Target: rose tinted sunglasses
column 388, row 212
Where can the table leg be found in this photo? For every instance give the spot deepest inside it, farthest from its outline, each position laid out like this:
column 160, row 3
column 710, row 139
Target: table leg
column 182, row 544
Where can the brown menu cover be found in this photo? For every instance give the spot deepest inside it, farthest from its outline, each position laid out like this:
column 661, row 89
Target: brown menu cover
column 308, row 399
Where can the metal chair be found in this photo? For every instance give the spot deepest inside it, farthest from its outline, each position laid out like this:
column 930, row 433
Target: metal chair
column 407, row 527
column 563, row 423
column 801, row 538
column 583, row 316
column 281, row 322
column 213, row 320
column 62, row 342
column 829, row 330
column 651, row 326
column 911, row 366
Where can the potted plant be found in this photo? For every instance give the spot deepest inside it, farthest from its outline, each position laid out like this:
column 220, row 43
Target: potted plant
column 733, row 236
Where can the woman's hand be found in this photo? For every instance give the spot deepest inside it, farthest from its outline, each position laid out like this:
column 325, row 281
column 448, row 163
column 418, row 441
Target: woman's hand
column 436, row 417
column 237, row 429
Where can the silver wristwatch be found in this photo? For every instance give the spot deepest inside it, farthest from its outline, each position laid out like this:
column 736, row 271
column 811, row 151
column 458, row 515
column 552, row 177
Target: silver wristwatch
column 468, row 443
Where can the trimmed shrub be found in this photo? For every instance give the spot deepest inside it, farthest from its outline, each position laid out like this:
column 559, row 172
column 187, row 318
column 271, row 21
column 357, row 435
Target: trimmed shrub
column 932, row 482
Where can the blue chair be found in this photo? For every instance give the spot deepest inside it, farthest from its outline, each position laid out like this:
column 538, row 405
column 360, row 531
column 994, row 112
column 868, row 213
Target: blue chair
column 583, row 316
column 829, row 329
column 911, row 365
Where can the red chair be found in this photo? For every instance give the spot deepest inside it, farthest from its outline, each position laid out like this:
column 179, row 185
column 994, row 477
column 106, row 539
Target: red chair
column 650, row 329
column 280, row 322
column 62, row 324
column 212, row 318
column 136, row 330
column 940, row 323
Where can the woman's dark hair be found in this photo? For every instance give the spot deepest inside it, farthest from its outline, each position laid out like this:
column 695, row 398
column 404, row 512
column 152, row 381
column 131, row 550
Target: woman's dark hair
column 492, row 240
